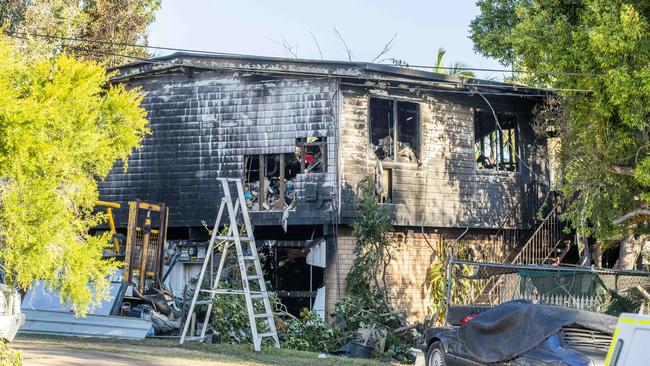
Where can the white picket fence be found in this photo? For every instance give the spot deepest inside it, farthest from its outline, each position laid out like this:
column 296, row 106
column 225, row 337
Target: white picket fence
column 589, row 303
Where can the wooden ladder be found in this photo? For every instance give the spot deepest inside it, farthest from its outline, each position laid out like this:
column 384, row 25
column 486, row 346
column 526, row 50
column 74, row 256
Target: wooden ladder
column 244, row 258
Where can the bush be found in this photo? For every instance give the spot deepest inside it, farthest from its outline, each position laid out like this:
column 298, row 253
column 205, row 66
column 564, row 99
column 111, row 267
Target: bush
column 354, row 312
column 9, row 357
column 368, row 303
column 310, row 333
column 230, row 317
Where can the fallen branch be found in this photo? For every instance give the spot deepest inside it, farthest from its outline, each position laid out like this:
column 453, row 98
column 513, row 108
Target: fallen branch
column 643, row 292
column 405, row 328
column 284, row 313
column 630, row 215
column 620, row 170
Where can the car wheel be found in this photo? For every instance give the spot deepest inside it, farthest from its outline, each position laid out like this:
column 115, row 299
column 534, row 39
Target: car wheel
column 436, row 355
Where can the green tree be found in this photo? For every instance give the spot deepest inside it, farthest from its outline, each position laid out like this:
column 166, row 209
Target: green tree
column 605, row 150
column 367, row 303
column 62, row 126
column 106, row 21
column 117, row 21
column 367, row 278
column 457, row 68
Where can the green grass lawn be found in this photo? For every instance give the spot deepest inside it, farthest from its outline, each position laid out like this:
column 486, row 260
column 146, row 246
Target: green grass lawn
column 225, row 354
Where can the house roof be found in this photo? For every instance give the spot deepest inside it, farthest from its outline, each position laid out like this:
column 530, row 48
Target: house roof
column 354, row 71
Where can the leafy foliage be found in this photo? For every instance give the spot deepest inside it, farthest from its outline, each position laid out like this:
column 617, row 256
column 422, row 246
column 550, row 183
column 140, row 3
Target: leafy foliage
column 367, row 304
column 9, row 357
column 456, row 68
column 355, row 312
column 438, row 288
column 230, row 317
column 372, row 250
column 118, row 21
column 462, row 290
column 62, row 126
column 605, row 150
column 310, row 333
column 105, row 21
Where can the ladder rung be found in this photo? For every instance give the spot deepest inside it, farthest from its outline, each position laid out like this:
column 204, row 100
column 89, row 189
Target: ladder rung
column 248, row 257
column 223, row 292
column 262, row 316
column 197, row 338
column 255, row 277
column 231, row 238
column 267, row 334
column 203, row 302
column 258, row 295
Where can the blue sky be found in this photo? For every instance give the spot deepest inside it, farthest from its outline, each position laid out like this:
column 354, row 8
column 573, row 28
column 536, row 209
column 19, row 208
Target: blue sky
column 253, row 27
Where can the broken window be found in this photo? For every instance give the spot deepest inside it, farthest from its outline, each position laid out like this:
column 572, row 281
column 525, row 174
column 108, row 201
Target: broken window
column 269, row 181
column 496, row 148
column 269, row 178
column 395, row 127
column 384, row 185
column 312, row 154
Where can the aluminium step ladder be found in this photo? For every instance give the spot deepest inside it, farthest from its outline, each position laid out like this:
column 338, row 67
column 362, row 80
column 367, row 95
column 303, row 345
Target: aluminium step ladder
column 229, row 211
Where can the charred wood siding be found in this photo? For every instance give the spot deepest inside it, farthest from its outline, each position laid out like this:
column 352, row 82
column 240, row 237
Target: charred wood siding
column 204, row 123
column 447, row 190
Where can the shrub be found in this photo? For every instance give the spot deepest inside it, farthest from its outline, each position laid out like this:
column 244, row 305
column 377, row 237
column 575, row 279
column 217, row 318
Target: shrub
column 310, row 333
column 9, row 357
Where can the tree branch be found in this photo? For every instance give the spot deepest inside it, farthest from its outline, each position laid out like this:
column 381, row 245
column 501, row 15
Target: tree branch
column 643, row 292
column 386, row 48
column 620, row 170
column 630, row 215
column 317, row 45
column 345, row 45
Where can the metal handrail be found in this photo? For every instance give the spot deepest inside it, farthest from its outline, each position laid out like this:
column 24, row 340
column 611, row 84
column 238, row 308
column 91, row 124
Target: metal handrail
column 552, row 220
column 512, row 215
column 530, row 242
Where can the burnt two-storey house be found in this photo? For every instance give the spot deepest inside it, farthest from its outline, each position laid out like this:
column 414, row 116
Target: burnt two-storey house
column 456, row 160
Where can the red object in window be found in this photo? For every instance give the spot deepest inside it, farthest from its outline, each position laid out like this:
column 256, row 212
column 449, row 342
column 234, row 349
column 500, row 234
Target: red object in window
column 309, row 159
column 468, row 318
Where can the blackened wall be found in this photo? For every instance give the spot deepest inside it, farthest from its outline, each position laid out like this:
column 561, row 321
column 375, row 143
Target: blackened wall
column 203, row 124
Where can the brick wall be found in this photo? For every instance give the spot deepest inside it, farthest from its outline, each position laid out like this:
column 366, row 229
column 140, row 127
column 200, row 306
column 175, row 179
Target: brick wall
column 407, row 276
column 339, row 262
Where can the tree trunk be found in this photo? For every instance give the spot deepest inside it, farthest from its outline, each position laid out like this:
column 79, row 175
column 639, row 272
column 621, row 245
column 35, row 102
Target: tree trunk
column 629, row 251
column 597, row 255
column 584, row 250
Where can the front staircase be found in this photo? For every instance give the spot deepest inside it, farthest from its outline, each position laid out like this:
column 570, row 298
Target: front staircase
column 544, row 243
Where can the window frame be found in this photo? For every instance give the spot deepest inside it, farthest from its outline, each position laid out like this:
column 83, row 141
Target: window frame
column 395, row 128
column 518, row 151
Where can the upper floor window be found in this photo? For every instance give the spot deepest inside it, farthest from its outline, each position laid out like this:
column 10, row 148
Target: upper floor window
column 494, row 147
column 395, row 130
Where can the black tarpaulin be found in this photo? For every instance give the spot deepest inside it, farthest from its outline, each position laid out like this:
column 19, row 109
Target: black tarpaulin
column 514, row 327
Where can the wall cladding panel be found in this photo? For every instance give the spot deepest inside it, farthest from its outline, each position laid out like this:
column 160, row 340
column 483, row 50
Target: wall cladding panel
column 202, row 124
column 446, row 190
